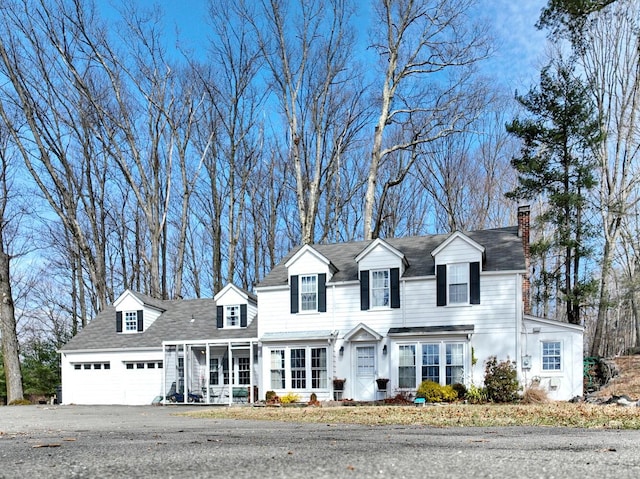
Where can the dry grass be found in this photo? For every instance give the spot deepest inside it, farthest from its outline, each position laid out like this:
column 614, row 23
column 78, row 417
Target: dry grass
column 537, row 413
column 450, row 415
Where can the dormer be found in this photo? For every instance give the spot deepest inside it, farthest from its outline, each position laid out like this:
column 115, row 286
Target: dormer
column 380, row 267
column 135, row 312
column 235, row 307
column 458, row 262
column 308, row 272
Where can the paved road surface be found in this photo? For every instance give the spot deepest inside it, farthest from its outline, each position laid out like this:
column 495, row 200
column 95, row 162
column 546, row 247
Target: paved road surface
column 154, row 442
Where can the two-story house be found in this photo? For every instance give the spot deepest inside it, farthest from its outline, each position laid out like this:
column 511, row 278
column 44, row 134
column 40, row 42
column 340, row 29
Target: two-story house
column 141, row 349
column 407, row 310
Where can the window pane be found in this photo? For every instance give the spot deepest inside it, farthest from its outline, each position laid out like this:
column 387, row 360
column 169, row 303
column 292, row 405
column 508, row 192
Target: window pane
column 458, row 278
column 319, row 368
column 407, row 366
column 233, row 315
column 431, row 362
column 277, row 369
column 551, row 356
column 455, row 364
column 308, row 293
column 298, row 369
column 244, row 371
column 380, row 288
column 213, row 371
column 131, row 320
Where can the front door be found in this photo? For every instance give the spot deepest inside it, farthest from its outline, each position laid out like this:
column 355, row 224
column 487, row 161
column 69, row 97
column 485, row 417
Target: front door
column 365, row 373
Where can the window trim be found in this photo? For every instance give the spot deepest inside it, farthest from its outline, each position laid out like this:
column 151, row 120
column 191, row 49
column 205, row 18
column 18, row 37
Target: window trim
column 228, row 314
column 386, row 289
column 301, row 293
column 314, row 373
column 130, row 321
column 559, row 356
column 442, row 345
column 458, row 268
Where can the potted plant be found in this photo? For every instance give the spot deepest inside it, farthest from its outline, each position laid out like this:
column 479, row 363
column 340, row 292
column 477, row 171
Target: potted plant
column 338, row 384
column 382, row 383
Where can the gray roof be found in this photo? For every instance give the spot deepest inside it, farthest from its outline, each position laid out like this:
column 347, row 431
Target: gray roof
column 181, row 320
column 503, row 252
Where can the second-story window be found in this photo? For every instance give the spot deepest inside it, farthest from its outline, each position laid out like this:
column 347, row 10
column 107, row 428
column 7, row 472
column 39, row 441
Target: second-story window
column 458, row 283
column 308, row 293
column 380, row 288
column 233, row 316
column 131, row 321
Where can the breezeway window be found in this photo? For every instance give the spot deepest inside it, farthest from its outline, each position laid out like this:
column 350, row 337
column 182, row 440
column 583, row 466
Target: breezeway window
column 551, row 356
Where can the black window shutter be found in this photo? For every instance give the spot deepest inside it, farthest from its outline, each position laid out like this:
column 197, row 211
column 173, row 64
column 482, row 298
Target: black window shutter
column 474, row 282
column 293, row 288
column 219, row 317
column 118, row 321
column 395, row 287
column 322, row 293
column 243, row 315
column 364, row 290
column 140, row 320
column 441, row 285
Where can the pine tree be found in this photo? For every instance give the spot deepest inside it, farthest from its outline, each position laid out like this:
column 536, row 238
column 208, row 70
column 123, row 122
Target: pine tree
column 557, row 163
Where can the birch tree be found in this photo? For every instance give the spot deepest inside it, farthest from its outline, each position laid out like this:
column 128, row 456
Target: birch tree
column 427, row 49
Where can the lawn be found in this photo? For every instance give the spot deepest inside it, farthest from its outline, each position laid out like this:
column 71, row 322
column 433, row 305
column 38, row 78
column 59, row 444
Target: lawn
column 557, row 414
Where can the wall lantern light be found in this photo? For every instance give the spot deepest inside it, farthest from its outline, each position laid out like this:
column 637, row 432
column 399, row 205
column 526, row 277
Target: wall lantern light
column 384, row 349
column 341, row 350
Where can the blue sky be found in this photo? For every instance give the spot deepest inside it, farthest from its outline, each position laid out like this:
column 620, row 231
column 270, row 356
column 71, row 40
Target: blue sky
column 518, row 60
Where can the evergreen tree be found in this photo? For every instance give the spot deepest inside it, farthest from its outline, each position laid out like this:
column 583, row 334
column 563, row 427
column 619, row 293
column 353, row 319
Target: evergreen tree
column 556, row 162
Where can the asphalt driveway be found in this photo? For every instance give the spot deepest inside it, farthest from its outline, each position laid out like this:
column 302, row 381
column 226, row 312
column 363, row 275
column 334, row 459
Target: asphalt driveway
column 148, row 441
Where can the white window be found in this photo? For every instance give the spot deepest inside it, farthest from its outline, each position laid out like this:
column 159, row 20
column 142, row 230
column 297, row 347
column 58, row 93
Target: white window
column 458, row 283
column 455, row 363
column 233, row 316
column 298, row 369
column 303, row 367
column 407, row 366
column 319, row 368
column 380, row 288
column 131, row 320
column 277, row 369
column 441, row 362
column 431, row 362
column 551, row 356
column 309, row 293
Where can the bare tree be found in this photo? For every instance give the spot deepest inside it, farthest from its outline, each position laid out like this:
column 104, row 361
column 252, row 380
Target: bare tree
column 420, row 43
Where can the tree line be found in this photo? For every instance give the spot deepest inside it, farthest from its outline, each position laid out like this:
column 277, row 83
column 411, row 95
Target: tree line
column 131, row 161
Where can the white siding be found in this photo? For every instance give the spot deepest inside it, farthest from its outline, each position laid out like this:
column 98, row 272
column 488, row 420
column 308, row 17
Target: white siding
column 308, row 263
column 379, row 258
column 458, row 251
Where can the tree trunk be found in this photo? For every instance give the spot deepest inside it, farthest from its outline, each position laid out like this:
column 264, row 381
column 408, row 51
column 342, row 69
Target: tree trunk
column 10, row 347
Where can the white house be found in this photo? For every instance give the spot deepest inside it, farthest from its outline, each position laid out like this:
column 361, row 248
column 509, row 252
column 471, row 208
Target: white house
column 142, row 349
column 409, row 309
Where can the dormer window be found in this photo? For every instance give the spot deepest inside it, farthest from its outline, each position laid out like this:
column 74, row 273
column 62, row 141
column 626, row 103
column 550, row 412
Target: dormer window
column 233, row 316
column 130, row 321
column 458, row 284
column 380, row 289
column 308, row 293
column 458, row 279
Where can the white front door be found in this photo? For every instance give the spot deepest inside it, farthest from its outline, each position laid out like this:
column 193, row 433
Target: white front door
column 365, row 373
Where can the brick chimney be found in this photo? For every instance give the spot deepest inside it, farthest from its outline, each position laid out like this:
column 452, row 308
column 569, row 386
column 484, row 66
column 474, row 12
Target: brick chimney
column 524, row 216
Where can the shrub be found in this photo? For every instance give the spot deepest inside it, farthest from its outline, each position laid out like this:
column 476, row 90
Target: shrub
column 460, row 389
column 500, row 380
column 289, row 398
column 270, row 396
column 433, row 392
column 476, row 395
column 534, row 395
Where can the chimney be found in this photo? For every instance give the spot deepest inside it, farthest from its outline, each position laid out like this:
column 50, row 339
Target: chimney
column 524, row 214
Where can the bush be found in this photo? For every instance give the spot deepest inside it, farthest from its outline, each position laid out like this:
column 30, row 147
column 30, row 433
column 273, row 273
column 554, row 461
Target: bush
column 460, row 389
column 476, row 395
column 534, row 395
column 500, row 381
column 433, row 392
column 289, row 398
